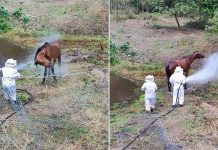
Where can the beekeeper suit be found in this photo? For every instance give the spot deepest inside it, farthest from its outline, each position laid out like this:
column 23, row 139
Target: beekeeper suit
column 150, row 88
column 8, row 80
column 177, row 80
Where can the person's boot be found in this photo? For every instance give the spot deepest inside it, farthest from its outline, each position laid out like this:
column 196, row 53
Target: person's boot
column 147, row 112
column 180, row 105
column 152, row 110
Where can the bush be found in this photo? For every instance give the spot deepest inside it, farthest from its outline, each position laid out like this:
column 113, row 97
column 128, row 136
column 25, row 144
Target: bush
column 4, row 20
column 114, row 59
column 214, row 23
column 198, row 24
column 124, row 47
column 4, row 13
column 132, row 53
column 156, row 26
column 17, row 13
column 5, row 26
column 26, row 19
column 152, row 66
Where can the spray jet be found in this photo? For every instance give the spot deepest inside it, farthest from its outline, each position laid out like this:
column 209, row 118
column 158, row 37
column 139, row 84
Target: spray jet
column 208, row 72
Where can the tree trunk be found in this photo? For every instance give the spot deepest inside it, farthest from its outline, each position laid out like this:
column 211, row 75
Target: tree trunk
column 117, row 11
column 137, row 6
column 177, row 21
column 111, row 7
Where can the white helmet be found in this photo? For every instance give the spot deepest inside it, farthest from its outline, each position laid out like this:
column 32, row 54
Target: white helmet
column 149, row 78
column 10, row 63
column 178, row 69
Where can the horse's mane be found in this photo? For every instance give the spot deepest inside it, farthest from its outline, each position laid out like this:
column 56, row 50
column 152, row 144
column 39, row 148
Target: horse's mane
column 39, row 50
column 190, row 54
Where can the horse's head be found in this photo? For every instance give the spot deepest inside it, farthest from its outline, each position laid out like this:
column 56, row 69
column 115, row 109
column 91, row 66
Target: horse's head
column 198, row 55
column 39, row 50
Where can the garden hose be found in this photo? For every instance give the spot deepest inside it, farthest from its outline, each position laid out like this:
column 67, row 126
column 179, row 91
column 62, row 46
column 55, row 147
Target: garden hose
column 30, row 100
column 147, row 127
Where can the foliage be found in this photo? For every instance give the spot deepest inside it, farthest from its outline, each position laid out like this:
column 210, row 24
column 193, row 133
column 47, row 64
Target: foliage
column 4, row 13
column 197, row 24
column 203, row 11
column 214, row 23
column 114, row 59
column 132, row 53
column 152, row 66
column 5, row 26
column 4, row 20
column 17, row 13
column 26, row 19
column 156, row 26
column 88, row 78
column 124, row 47
column 147, row 5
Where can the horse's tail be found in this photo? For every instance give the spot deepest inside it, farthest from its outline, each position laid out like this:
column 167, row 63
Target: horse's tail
column 35, row 60
column 168, row 74
column 59, row 60
column 167, row 69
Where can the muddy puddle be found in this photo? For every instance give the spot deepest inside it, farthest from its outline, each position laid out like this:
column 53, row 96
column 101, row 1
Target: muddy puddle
column 11, row 50
column 122, row 90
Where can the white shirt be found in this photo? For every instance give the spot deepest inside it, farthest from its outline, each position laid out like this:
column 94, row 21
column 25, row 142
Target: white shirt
column 9, row 76
column 176, row 79
column 150, row 88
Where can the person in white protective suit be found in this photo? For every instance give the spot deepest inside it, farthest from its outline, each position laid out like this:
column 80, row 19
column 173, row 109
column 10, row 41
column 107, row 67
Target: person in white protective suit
column 177, row 81
column 8, row 80
column 150, row 89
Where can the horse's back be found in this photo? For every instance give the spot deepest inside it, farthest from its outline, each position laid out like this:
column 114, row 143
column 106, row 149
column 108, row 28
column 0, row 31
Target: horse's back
column 55, row 49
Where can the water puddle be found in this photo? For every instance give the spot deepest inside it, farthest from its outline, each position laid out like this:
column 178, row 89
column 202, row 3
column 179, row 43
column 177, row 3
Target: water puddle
column 122, row 90
column 11, row 50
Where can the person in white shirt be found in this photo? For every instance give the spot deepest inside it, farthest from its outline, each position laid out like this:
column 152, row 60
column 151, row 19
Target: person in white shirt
column 9, row 80
column 150, row 89
column 177, row 81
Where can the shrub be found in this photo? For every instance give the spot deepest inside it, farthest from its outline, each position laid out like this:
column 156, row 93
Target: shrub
column 4, row 13
column 214, row 23
column 114, row 59
column 132, row 53
column 26, row 19
column 5, row 26
column 197, row 24
column 156, row 26
column 17, row 13
column 124, row 47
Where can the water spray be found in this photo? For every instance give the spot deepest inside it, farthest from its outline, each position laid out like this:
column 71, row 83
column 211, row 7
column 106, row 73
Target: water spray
column 207, row 73
column 53, row 37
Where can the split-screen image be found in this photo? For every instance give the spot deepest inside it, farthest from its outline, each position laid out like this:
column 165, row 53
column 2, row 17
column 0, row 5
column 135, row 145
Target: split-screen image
column 108, row 75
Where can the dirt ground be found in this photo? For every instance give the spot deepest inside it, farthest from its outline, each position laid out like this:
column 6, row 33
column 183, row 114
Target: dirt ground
column 72, row 17
column 188, row 127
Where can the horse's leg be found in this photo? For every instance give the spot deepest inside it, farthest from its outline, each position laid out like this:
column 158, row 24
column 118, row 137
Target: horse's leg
column 49, row 71
column 168, row 78
column 59, row 64
column 45, row 73
column 52, row 70
column 186, row 74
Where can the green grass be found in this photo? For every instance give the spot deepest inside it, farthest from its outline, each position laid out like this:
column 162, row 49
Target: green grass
column 129, row 129
column 88, row 78
column 160, row 98
column 68, row 131
column 197, row 124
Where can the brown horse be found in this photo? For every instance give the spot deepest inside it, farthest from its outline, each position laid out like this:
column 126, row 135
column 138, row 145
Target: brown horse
column 184, row 62
column 46, row 56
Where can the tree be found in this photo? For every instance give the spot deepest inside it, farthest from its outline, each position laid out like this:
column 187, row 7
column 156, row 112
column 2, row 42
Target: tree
column 204, row 9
